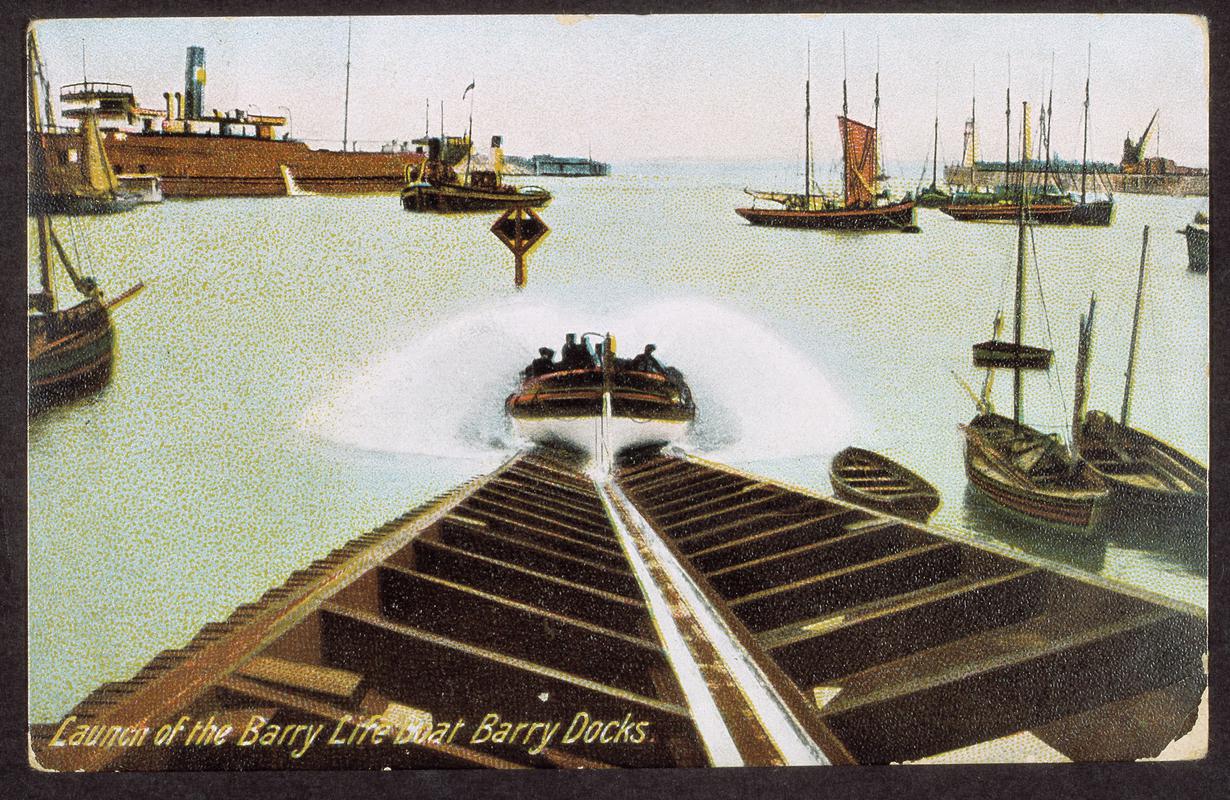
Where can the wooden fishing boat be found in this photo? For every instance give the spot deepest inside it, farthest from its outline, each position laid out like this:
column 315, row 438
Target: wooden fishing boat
column 1047, row 205
column 1055, row 212
column 70, row 349
column 877, row 482
column 862, row 207
column 1015, row 465
column 1140, row 469
column 434, row 186
column 593, row 402
column 1031, row 472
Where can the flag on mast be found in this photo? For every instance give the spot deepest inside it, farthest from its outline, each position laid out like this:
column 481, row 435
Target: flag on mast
column 467, row 91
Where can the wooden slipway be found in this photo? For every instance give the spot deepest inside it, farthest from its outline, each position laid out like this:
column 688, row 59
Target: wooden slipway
column 679, row 613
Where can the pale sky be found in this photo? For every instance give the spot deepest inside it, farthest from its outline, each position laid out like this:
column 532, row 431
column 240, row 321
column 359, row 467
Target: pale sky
column 726, row 87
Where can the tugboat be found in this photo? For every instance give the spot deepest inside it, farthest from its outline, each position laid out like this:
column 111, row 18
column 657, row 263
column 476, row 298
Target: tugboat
column 435, row 186
column 593, row 402
column 863, row 206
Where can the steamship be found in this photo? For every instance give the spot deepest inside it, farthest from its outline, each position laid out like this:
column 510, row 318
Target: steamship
column 219, row 153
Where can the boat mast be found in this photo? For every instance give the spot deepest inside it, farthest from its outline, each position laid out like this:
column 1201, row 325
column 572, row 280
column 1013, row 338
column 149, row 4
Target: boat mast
column 1050, row 107
column 1084, row 342
column 1131, row 364
column 1019, row 304
column 845, row 125
column 346, row 102
column 427, row 117
column 935, row 141
column 875, row 136
column 46, row 301
column 973, row 130
column 1085, row 146
column 807, row 133
column 1008, row 127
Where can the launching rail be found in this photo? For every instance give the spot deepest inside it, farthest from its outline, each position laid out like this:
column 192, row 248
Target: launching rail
column 679, row 614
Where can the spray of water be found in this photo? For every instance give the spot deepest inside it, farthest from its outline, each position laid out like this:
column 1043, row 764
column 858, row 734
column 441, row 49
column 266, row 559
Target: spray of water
column 442, row 393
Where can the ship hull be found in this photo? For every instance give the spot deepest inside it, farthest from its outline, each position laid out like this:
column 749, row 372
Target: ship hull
column 1142, row 470
column 1040, row 213
column 584, row 434
column 581, row 408
column 461, row 199
column 196, row 165
column 70, row 354
column 891, row 217
column 1190, row 185
column 78, row 204
column 1078, row 505
column 1097, row 213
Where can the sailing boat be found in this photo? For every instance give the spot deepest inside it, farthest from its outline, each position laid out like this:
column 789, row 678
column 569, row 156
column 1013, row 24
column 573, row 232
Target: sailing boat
column 70, row 349
column 1140, row 469
column 1018, row 466
column 933, row 196
column 84, row 182
column 862, row 206
column 1005, row 204
column 1090, row 212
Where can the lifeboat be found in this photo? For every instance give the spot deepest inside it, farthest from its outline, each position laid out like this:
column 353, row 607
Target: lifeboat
column 596, row 403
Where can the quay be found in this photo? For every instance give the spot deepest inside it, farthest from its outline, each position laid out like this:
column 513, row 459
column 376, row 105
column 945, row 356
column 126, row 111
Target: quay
column 675, row 613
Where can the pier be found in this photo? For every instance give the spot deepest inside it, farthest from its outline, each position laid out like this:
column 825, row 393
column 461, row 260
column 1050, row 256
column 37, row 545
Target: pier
column 675, row 613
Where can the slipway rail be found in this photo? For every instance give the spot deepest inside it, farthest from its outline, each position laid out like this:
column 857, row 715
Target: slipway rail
column 679, row 613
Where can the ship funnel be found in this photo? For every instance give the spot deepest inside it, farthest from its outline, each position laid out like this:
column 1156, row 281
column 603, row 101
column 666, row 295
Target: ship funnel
column 170, row 105
column 194, row 83
column 497, row 154
column 434, row 148
column 179, row 106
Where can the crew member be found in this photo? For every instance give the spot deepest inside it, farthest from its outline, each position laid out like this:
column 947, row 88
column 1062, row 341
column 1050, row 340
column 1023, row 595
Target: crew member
column 541, row 365
column 573, row 355
column 645, row 362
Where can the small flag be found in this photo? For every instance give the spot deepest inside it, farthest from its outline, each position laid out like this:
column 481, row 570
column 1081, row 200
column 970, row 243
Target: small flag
column 467, row 91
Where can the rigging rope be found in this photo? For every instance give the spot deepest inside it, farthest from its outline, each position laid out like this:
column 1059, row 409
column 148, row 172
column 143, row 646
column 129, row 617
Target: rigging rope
column 1054, row 370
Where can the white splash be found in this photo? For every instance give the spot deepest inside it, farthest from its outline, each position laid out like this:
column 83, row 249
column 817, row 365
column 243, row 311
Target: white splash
column 442, row 393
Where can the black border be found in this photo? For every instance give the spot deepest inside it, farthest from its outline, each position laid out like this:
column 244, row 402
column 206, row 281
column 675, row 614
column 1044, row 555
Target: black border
column 1177, row 779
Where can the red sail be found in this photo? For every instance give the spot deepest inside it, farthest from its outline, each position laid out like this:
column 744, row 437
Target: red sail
column 860, row 145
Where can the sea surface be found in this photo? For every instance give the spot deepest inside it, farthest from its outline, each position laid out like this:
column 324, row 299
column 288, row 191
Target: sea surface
column 302, row 369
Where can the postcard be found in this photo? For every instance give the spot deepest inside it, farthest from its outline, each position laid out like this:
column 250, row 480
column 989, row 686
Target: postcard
column 575, row 392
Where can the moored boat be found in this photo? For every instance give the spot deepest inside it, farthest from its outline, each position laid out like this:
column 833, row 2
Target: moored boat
column 70, row 350
column 862, row 207
column 874, row 481
column 1018, row 466
column 1140, row 469
column 593, row 402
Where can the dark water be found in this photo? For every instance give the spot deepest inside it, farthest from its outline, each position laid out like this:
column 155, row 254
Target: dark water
column 302, row 369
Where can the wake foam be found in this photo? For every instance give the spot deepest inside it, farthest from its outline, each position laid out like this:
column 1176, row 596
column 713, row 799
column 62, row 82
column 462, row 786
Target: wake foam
column 442, row 393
